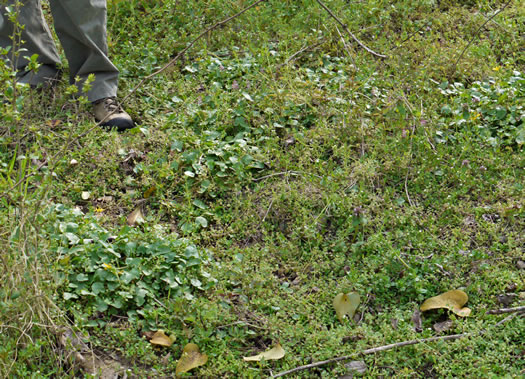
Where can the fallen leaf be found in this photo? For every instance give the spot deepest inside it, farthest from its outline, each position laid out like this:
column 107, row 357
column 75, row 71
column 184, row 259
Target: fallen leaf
column 441, row 327
column 506, row 299
column 275, row 353
column 165, row 359
column 451, row 300
column 357, row 366
column 135, row 217
column 53, row 123
column 161, row 339
column 149, row 192
column 190, row 358
column 416, row 319
column 85, row 195
column 346, row 304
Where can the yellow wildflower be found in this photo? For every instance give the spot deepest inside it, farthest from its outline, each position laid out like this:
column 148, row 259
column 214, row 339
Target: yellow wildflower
column 107, row 266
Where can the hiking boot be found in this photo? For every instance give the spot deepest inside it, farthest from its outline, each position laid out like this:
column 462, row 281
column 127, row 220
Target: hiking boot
column 109, row 111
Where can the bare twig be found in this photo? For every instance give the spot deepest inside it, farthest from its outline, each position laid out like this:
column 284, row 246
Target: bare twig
column 372, row 351
column 345, row 27
column 506, row 310
column 479, row 30
column 275, row 174
column 284, row 173
column 445, row 272
column 299, row 52
column 268, row 210
column 364, row 309
column 410, row 36
column 347, row 48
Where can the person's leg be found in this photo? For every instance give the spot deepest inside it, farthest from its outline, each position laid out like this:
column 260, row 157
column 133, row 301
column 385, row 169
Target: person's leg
column 37, row 40
column 81, row 28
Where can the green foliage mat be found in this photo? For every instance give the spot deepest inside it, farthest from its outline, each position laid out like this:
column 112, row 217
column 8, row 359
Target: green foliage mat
column 274, row 168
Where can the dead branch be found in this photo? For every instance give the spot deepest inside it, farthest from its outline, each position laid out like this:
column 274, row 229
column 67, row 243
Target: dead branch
column 476, row 34
column 345, row 27
column 302, row 50
column 506, row 310
column 372, row 351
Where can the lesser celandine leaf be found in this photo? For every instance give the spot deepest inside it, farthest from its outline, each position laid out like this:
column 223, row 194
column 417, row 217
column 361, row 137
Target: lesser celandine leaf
column 190, row 358
column 346, row 304
column 452, row 300
column 275, row 353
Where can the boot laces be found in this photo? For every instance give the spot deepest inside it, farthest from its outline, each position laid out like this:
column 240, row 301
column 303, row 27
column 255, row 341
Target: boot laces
column 111, row 105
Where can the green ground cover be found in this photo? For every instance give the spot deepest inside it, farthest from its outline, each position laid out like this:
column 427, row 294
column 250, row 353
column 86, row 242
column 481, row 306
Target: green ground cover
column 274, row 167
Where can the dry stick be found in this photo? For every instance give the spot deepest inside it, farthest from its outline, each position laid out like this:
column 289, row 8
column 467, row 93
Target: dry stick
column 410, row 36
column 145, row 79
column 371, row 351
column 505, row 310
column 348, row 31
column 296, row 54
column 479, row 30
column 390, row 347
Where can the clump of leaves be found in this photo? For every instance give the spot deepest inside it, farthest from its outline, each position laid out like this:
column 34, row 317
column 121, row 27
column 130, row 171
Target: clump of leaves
column 124, row 274
column 492, row 110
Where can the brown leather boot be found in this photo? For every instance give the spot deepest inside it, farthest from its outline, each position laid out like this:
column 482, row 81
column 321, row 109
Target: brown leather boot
column 109, row 111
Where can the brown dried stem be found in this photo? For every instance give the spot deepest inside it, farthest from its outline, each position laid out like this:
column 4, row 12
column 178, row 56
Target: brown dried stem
column 345, row 27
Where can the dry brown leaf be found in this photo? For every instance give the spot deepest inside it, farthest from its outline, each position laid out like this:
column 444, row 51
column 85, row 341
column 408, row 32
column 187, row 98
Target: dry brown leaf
column 452, row 300
column 275, row 353
column 346, row 304
column 53, row 123
column 416, row 319
column 161, row 339
column 190, row 358
column 135, row 217
column 149, row 192
column 443, row 326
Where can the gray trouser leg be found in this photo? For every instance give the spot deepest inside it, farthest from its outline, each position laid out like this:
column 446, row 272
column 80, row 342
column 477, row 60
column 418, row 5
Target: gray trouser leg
column 81, row 28
column 37, row 40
